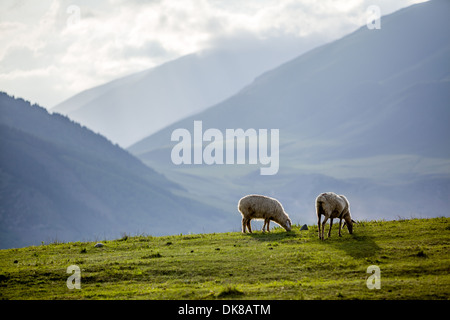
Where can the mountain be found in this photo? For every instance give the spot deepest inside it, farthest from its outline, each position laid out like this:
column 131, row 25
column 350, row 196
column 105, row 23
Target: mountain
column 62, row 182
column 130, row 108
column 366, row 115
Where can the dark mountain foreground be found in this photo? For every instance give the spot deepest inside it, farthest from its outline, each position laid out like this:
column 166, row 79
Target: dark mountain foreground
column 62, row 182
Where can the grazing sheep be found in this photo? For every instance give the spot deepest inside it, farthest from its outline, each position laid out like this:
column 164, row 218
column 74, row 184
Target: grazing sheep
column 261, row 207
column 331, row 205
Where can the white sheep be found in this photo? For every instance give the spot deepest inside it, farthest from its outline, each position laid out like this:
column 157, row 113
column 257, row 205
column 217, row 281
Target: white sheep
column 265, row 208
column 331, row 205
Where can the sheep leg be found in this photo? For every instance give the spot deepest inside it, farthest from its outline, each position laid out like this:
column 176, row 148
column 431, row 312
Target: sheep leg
column 323, row 226
column 318, row 224
column 249, row 226
column 340, row 227
column 244, row 222
column 329, row 230
column 264, row 225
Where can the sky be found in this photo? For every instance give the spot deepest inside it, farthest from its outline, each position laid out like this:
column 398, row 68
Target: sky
column 51, row 50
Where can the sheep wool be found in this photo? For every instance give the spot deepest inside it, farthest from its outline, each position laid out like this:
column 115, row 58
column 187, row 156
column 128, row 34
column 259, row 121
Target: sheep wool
column 264, row 208
column 330, row 205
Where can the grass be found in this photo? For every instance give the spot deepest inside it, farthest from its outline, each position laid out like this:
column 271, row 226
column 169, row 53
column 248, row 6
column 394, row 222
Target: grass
column 413, row 257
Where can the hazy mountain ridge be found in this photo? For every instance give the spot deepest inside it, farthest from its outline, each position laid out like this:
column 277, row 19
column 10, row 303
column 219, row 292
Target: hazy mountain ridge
column 286, row 94
column 130, row 108
column 372, row 106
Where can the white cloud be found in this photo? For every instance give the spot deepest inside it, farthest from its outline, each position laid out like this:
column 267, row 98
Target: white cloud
column 47, row 54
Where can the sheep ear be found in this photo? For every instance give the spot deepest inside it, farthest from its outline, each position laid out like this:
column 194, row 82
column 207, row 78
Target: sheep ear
column 354, row 221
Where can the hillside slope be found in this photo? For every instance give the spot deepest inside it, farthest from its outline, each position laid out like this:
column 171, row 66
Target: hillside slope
column 60, row 181
column 412, row 256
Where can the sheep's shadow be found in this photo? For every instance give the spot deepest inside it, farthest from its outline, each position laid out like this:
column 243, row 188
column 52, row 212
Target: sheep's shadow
column 355, row 245
column 270, row 236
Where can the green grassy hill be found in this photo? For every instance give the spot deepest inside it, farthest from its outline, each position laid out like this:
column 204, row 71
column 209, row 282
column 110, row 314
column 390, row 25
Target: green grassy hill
column 413, row 257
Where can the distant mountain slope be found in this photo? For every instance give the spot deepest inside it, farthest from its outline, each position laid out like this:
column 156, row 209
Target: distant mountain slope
column 128, row 109
column 62, row 182
column 344, row 84
column 370, row 109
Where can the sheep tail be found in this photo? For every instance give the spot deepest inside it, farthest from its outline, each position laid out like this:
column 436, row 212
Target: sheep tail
column 319, row 208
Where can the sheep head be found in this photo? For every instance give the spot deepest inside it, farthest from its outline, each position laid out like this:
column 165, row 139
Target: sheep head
column 349, row 223
column 287, row 224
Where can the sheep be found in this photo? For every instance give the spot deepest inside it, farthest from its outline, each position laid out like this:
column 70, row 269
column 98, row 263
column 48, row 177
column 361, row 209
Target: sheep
column 262, row 207
column 331, row 205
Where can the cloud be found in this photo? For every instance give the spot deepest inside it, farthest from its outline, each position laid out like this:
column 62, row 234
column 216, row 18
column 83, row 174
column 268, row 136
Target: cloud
column 52, row 49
